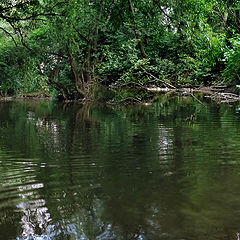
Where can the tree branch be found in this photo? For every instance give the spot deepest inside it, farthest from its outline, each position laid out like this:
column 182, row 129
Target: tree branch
column 9, row 34
column 160, row 7
column 32, row 17
column 80, row 35
column 19, row 5
column 18, row 30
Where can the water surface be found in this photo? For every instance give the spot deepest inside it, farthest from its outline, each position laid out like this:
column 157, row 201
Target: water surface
column 170, row 170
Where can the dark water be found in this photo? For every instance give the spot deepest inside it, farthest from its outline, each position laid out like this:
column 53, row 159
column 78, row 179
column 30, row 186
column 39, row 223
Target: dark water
column 170, row 170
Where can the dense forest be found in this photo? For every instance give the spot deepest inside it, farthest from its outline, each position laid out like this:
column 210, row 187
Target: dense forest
column 75, row 49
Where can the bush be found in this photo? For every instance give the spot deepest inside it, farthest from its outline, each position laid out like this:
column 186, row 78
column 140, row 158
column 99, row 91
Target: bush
column 232, row 58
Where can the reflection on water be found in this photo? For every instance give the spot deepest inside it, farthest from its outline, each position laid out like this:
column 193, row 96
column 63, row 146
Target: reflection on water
column 35, row 215
column 131, row 172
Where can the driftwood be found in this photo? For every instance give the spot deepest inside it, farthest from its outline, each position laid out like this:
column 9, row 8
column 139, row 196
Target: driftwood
column 219, row 94
column 224, row 97
column 216, row 93
column 159, row 89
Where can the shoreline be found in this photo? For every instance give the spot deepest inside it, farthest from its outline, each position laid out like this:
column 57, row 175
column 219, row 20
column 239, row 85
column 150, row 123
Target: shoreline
column 219, row 94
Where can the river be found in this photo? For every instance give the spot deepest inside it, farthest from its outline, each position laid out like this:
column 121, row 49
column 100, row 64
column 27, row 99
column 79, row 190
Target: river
column 169, row 170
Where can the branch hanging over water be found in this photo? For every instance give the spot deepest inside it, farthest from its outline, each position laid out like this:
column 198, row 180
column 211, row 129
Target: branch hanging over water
column 164, row 82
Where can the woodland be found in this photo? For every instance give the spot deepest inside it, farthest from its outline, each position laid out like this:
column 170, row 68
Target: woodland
column 116, row 50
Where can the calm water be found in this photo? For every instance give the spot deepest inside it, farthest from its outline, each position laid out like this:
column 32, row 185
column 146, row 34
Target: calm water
column 170, row 170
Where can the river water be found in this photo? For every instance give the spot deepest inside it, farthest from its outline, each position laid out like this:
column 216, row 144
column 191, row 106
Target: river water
column 170, row 170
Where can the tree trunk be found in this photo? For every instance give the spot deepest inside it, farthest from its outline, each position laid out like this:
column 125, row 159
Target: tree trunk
column 79, row 84
column 58, row 86
column 135, row 27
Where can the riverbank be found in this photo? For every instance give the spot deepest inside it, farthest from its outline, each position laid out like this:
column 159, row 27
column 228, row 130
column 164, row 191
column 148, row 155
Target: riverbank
column 219, row 94
column 30, row 96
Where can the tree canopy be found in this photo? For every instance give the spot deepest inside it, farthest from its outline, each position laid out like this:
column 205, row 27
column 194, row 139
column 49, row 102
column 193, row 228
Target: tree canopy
column 69, row 48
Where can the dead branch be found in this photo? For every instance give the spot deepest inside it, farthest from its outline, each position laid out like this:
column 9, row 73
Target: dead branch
column 164, row 82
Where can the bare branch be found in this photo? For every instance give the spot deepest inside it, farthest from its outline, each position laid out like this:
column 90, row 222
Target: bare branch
column 32, row 17
column 9, row 34
column 19, row 32
column 80, row 35
column 160, row 7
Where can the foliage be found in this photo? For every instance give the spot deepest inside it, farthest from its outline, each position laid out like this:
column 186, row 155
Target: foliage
column 69, row 47
column 232, row 58
column 18, row 71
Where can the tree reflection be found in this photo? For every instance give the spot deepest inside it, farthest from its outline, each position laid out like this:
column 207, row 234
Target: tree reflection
column 95, row 172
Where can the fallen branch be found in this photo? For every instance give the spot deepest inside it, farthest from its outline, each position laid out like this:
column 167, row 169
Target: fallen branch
column 158, row 89
column 224, row 97
column 164, row 82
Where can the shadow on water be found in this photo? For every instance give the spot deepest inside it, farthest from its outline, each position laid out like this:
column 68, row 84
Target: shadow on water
column 165, row 171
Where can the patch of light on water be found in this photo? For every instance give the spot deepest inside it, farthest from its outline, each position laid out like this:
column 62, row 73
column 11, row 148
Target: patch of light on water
column 31, row 186
column 31, row 116
column 52, row 232
column 35, row 237
column 164, row 140
column 35, row 215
